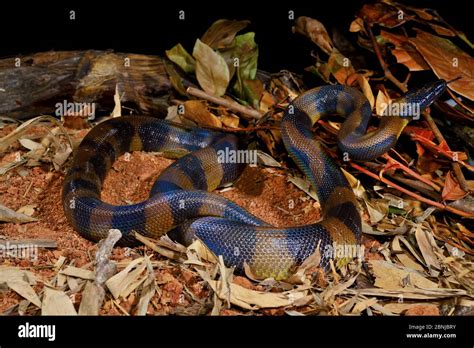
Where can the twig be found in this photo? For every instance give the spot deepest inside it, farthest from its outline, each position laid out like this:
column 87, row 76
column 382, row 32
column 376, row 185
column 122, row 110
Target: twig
column 412, row 194
column 230, row 104
column 386, row 71
column 391, row 162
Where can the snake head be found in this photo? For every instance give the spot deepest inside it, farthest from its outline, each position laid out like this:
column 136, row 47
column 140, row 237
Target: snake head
column 426, row 95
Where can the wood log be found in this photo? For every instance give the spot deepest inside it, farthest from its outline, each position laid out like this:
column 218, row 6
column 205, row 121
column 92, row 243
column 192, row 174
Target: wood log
column 34, row 84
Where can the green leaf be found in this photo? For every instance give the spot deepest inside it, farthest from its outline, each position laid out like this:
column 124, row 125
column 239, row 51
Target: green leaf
column 246, row 53
column 182, row 58
column 212, row 72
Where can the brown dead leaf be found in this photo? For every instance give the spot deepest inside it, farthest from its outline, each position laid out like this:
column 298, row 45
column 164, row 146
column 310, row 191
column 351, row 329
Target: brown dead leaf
column 230, row 120
column 406, row 260
column 56, row 302
column 363, row 82
column 451, row 190
column 124, row 282
column 18, row 284
column 383, row 14
column 404, row 52
column 357, row 25
column 393, row 277
column 222, row 32
column 196, row 111
column 315, row 31
column 447, row 61
column 427, row 246
column 9, row 215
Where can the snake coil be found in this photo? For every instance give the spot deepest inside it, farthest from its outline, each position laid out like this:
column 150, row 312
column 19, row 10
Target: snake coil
column 181, row 195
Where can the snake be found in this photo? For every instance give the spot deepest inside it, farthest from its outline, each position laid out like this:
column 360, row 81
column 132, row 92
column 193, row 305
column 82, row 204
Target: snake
column 182, row 204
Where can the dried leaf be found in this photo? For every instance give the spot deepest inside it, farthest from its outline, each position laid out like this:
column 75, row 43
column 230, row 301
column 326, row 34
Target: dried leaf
column 230, row 120
column 404, row 52
column 197, row 111
column 315, row 31
column 147, row 291
column 393, row 277
column 61, row 156
column 304, row 185
column 9, row 215
column 29, row 144
column 222, row 32
column 56, row 302
column 124, row 282
column 447, row 61
column 267, row 160
column 382, row 14
column 19, row 281
column 212, row 71
column 406, row 260
column 78, row 273
column 365, row 86
column 452, row 191
column 427, row 245
column 28, row 209
column 357, row 25
column 251, row 299
column 182, row 58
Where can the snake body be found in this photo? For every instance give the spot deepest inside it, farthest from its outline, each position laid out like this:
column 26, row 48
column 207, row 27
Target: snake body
column 181, row 202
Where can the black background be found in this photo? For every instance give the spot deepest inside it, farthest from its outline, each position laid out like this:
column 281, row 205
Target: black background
column 150, row 27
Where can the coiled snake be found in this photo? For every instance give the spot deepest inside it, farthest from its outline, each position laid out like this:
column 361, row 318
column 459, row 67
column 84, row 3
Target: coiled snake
column 180, row 198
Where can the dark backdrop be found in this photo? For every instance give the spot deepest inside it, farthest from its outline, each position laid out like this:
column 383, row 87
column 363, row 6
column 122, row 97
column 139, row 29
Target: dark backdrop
column 150, row 27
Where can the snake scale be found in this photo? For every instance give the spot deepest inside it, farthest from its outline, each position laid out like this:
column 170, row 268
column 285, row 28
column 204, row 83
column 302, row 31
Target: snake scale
column 181, row 200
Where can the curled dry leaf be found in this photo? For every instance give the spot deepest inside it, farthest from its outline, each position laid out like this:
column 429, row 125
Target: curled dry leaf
column 365, row 86
column 447, row 61
column 357, row 25
column 222, row 32
column 452, row 191
column 315, row 31
column 212, row 71
column 124, row 282
column 404, row 52
column 197, row 111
